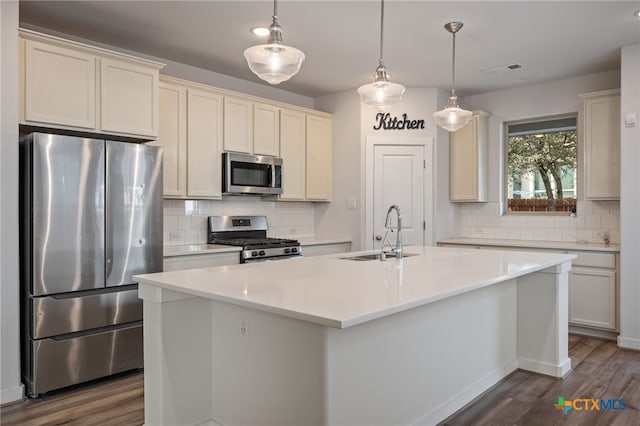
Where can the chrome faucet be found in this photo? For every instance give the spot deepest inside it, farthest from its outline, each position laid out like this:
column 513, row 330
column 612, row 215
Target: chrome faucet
column 398, row 249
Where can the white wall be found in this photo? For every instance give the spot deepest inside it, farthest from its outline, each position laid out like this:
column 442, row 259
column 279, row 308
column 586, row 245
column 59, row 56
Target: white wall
column 10, row 387
column 484, row 220
column 420, row 104
column 630, row 202
column 335, row 218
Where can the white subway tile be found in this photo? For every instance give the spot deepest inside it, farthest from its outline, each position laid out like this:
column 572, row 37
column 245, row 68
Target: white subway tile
column 614, row 234
column 514, row 233
column 609, row 221
column 584, row 235
column 540, row 234
column 569, row 235
column 592, row 221
column 199, row 222
column 170, row 222
column 527, row 234
column 501, row 233
column 585, row 207
column 184, row 223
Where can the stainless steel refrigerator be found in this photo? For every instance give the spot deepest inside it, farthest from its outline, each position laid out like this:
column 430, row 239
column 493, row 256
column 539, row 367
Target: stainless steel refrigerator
column 91, row 217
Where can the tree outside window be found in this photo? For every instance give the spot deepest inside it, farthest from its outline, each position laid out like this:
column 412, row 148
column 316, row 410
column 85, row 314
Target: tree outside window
column 541, row 165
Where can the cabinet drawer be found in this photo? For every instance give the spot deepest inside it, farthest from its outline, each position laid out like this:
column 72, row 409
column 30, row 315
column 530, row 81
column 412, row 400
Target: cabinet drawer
column 594, row 260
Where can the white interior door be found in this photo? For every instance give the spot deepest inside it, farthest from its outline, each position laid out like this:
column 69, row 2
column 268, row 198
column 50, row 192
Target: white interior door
column 398, row 178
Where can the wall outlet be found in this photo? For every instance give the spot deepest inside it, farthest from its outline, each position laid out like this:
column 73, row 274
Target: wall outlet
column 244, row 328
column 175, row 236
column 352, row 203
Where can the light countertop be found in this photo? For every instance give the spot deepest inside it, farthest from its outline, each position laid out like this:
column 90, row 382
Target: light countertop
column 341, row 293
column 556, row 245
column 191, row 249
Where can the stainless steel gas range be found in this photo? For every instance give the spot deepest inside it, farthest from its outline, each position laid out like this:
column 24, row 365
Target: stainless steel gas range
column 250, row 233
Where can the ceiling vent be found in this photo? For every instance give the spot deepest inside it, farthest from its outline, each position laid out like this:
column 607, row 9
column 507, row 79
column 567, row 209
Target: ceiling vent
column 502, row 69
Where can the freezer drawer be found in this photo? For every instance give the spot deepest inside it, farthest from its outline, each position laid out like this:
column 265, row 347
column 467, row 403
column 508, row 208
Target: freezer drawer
column 60, row 363
column 54, row 315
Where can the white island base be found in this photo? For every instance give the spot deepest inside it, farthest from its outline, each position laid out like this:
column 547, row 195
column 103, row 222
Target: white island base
column 215, row 359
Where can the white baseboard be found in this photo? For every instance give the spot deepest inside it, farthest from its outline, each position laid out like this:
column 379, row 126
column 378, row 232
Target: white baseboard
column 467, row 395
column 545, row 368
column 12, row 394
column 628, row 343
column 593, row 332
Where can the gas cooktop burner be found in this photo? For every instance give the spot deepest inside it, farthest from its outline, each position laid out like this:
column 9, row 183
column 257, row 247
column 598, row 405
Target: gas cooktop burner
column 250, row 233
column 249, row 243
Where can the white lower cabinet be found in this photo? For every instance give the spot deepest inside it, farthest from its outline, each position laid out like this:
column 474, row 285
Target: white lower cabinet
column 593, row 285
column 592, row 297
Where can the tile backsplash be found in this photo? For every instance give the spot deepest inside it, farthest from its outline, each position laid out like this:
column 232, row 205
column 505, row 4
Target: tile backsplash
column 185, row 221
column 593, row 220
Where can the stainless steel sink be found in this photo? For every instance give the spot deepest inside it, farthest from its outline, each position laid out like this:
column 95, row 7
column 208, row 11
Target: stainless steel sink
column 376, row 256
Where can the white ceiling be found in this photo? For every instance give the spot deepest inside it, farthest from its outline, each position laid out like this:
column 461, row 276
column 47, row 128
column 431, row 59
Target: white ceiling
column 550, row 39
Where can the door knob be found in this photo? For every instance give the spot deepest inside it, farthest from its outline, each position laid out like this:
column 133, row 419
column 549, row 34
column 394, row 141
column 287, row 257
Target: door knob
column 378, row 237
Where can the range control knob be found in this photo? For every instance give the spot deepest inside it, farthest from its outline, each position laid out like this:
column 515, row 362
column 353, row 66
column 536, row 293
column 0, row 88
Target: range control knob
column 294, row 249
column 287, row 250
column 261, row 253
column 254, row 253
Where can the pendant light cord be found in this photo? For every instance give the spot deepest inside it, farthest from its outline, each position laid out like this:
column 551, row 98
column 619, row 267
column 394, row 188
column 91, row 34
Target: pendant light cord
column 453, row 67
column 275, row 11
column 380, row 61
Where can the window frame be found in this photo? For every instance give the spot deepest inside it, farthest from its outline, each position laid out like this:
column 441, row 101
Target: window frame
column 505, row 157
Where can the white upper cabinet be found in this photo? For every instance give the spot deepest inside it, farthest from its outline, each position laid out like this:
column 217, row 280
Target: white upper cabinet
column 266, row 130
column 292, row 151
column 601, row 136
column 238, row 125
column 468, row 160
column 59, row 86
column 204, row 144
column 173, row 138
column 129, row 98
column 191, row 137
column 319, row 162
column 74, row 86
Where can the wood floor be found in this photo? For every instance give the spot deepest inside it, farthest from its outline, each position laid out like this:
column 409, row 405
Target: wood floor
column 600, row 371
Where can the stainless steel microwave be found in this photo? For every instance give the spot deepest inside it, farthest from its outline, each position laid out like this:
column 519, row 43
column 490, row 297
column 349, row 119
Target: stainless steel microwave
column 251, row 174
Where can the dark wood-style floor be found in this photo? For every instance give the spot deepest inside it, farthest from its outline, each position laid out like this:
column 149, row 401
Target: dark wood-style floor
column 600, row 371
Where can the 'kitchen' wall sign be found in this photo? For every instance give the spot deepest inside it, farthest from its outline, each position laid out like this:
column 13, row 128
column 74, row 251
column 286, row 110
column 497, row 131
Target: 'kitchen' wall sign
column 384, row 121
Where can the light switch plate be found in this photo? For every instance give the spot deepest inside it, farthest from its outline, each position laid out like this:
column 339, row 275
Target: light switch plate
column 631, row 120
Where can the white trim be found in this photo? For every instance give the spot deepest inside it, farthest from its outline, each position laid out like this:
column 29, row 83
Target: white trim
column 628, row 343
column 429, row 202
column 468, row 395
column 13, row 394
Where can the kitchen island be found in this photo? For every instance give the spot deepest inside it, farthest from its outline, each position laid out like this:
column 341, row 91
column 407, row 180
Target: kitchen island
column 333, row 341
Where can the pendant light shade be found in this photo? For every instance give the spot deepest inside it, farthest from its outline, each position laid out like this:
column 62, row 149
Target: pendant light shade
column 452, row 117
column 381, row 94
column 274, row 62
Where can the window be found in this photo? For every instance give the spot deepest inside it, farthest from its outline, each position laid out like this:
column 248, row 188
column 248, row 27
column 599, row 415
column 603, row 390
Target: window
column 541, row 156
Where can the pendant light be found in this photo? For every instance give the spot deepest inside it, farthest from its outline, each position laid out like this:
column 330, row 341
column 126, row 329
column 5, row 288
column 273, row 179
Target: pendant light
column 381, row 94
column 452, row 117
column 274, row 62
